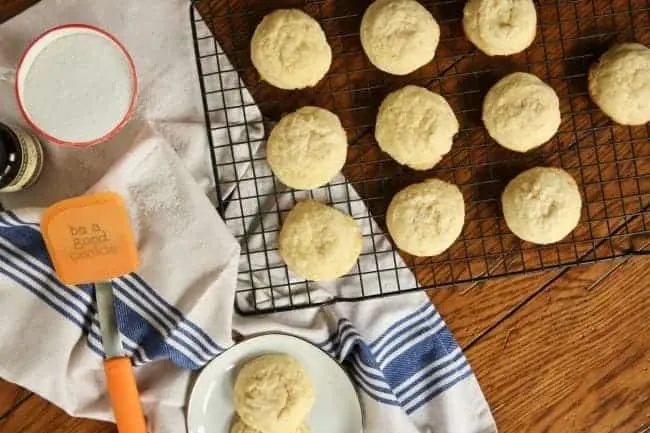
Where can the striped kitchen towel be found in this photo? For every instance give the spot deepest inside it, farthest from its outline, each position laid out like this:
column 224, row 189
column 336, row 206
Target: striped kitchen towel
column 410, row 372
column 176, row 312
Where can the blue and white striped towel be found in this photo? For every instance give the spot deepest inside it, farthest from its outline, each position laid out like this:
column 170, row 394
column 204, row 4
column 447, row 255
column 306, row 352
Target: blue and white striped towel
column 177, row 313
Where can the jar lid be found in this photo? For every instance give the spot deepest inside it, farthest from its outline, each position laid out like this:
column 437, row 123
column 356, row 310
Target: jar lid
column 5, row 135
column 8, row 147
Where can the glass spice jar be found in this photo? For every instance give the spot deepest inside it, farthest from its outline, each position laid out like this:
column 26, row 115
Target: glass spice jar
column 21, row 159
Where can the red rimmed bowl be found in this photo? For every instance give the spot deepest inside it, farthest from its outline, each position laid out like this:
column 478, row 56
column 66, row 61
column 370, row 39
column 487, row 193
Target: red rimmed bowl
column 76, row 85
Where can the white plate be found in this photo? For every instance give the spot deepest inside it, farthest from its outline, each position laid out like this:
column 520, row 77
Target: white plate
column 336, row 408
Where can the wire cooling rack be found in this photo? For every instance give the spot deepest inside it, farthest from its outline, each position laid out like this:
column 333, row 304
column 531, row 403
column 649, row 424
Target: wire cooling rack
column 611, row 163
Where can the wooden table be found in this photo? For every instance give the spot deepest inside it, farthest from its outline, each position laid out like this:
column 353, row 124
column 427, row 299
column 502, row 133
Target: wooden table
column 558, row 351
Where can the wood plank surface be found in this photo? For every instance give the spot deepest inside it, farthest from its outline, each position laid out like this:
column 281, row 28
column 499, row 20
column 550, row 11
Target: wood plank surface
column 11, row 395
column 576, row 358
column 555, row 351
column 470, row 311
column 9, row 8
column 36, row 415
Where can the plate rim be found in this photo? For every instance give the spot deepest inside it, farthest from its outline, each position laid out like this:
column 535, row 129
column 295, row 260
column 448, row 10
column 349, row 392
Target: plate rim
column 192, row 397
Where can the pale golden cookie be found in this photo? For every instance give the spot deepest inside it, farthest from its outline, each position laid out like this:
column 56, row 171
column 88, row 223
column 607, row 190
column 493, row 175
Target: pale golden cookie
column 289, row 49
column 424, row 219
column 620, row 83
column 500, row 27
column 399, row 36
column 521, row 112
column 307, row 148
column 318, row 242
column 542, row 205
column 416, row 127
column 273, row 394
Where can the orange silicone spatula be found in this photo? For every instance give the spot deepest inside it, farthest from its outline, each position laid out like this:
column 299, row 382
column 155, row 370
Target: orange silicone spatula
column 90, row 240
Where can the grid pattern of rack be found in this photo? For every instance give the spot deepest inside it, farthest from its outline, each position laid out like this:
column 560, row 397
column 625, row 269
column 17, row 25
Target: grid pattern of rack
column 611, row 163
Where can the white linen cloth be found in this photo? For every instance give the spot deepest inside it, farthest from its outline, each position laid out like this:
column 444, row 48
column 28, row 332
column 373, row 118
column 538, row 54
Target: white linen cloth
column 177, row 313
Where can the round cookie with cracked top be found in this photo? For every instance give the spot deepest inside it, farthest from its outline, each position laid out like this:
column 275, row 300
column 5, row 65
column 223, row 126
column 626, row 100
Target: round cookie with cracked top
column 542, row 205
column 500, row 27
column 619, row 83
column 273, row 394
column 424, row 219
column 521, row 112
column 318, row 242
column 416, row 127
column 289, row 50
column 399, row 36
column 307, row 148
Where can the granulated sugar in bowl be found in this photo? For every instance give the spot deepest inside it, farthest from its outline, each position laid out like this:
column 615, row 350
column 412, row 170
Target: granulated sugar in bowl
column 76, row 85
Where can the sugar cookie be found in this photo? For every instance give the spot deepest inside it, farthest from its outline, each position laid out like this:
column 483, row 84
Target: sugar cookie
column 289, row 50
column 500, row 27
column 307, row 148
column 521, row 112
column 542, row 205
column 399, row 36
column 273, row 394
column 620, row 83
column 318, row 242
column 425, row 219
column 416, row 127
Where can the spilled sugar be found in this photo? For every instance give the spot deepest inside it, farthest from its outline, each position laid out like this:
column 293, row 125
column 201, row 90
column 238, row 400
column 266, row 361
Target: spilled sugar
column 78, row 88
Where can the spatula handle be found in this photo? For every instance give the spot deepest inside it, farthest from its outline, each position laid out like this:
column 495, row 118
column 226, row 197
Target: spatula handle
column 124, row 395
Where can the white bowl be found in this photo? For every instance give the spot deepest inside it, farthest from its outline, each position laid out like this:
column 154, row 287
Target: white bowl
column 76, row 91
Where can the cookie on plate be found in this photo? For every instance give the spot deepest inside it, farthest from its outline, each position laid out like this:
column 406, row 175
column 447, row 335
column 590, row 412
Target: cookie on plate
column 542, row 205
column 500, row 27
column 399, row 36
column 307, row 148
column 521, row 112
column 289, row 50
column 424, row 219
column 416, row 127
column 619, row 83
column 273, row 394
column 318, row 242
